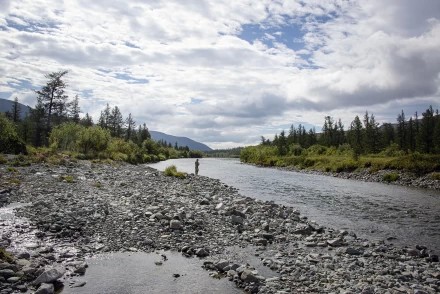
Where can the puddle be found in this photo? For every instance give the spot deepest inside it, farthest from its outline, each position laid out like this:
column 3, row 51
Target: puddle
column 136, row 273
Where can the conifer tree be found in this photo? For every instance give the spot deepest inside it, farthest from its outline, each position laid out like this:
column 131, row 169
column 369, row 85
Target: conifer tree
column 52, row 98
column 131, row 127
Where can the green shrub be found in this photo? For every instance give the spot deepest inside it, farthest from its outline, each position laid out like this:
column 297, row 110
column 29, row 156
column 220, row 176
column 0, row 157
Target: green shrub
column 390, row 177
column 3, row 160
column 171, row 171
column 295, row 149
column 93, row 140
column 66, row 136
column 10, row 142
column 316, row 150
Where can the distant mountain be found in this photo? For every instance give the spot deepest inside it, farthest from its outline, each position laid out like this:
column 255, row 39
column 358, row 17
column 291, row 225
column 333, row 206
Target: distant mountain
column 6, row 105
column 181, row 141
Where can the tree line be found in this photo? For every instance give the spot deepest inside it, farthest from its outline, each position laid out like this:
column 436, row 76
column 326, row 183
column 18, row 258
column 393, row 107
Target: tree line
column 366, row 136
column 56, row 122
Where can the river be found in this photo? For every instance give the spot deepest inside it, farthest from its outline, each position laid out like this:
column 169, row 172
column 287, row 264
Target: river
column 404, row 216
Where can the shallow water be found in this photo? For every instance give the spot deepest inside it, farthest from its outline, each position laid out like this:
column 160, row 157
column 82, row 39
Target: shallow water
column 137, row 273
column 407, row 216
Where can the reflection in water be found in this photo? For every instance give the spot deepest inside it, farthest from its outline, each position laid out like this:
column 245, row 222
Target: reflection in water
column 375, row 210
column 137, row 273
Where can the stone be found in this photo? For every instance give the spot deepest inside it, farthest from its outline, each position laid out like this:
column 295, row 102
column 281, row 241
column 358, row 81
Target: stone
column 219, row 206
column 202, row 252
column 302, row 229
column 45, row 289
column 80, row 269
column 248, row 276
column 49, row 276
column 78, row 284
column 237, row 220
column 335, row 242
column 175, row 224
column 352, row 251
column 261, row 241
column 204, row 202
column 221, row 264
column 7, row 273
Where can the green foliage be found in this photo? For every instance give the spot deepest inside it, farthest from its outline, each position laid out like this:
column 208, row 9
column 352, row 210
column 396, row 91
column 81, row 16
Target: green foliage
column 3, row 160
column 390, row 177
column 67, row 178
column 6, row 256
column 295, row 149
column 10, row 142
column 435, row 176
column 12, row 169
column 66, row 136
column 93, row 140
column 392, row 150
column 171, row 171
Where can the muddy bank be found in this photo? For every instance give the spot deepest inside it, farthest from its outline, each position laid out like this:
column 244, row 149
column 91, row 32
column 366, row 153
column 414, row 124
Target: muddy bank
column 82, row 209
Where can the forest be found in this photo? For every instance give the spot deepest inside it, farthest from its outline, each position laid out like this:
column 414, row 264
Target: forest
column 54, row 128
column 410, row 144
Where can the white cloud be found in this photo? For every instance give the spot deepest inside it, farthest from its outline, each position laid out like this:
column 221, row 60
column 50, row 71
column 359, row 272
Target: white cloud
column 358, row 55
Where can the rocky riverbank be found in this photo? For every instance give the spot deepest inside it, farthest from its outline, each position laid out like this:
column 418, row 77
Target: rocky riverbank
column 81, row 208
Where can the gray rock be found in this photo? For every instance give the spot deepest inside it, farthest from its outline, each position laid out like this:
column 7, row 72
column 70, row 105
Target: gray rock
column 352, row 251
column 7, row 273
column 221, row 264
column 45, row 289
column 237, row 220
column 202, row 252
column 80, row 269
column 248, row 276
column 302, row 229
column 78, row 284
column 335, row 242
column 49, row 276
column 175, row 224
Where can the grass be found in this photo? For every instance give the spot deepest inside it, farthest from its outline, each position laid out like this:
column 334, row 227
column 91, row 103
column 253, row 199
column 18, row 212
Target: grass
column 390, row 177
column 5, row 256
column 3, row 160
column 435, row 176
column 171, row 171
column 67, row 179
column 12, row 169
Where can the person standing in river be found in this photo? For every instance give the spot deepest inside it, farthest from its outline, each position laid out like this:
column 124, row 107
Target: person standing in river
column 197, row 166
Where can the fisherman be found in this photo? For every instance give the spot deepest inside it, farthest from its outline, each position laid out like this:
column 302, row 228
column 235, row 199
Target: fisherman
column 197, row 166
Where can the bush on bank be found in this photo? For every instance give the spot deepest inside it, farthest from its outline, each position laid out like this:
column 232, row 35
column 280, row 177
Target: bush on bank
column 341, row 159
column 71, row 140
column 10, row 142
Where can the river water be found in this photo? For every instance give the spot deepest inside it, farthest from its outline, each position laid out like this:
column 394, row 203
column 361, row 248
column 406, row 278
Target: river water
column 404, row 216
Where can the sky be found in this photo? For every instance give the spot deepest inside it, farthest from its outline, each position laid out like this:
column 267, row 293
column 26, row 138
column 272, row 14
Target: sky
column 227, row 72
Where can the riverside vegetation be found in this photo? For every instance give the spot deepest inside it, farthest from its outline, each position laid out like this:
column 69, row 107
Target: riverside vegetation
column 409, row 146
column 54, row 126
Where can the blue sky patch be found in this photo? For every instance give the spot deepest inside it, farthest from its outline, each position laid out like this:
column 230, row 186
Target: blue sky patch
column 289, row 34
column 130, row 79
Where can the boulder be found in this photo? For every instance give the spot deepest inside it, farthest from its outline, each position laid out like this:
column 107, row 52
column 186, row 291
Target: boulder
column 249, row 277
column 237, row 220
column 49, row 276
column 175, row 224
column 45, row 289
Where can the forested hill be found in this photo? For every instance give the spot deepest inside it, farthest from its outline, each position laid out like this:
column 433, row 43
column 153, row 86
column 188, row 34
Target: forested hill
column 6, row 105
column 181, row 141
